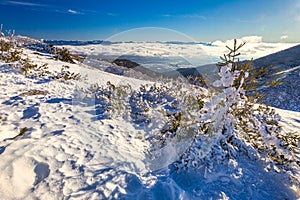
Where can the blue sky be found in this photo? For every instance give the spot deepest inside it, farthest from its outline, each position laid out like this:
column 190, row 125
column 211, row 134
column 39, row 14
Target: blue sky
column 203, row 20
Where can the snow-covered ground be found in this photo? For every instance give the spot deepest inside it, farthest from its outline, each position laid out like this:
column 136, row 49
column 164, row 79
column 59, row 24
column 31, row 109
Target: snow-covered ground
column 69, row 152
column 64, row 153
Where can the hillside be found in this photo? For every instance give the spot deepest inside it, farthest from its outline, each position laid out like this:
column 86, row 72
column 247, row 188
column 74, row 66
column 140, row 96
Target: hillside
column 106, row 136
column 288, row 57
column 283, row 65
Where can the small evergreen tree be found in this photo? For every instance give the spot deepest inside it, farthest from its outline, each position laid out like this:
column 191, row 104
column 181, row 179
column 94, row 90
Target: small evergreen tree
column 232, row 124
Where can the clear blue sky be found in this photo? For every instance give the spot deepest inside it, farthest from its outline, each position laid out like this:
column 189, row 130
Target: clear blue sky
column 203, row 20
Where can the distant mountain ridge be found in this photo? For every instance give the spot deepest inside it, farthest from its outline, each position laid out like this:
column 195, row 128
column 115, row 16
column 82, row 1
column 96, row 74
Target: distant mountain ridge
column 106, row 42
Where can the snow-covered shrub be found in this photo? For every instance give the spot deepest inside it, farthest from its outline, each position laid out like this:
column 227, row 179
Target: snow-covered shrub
column 8, row 48
column 167, row 111
column 232, row 124
column 103, row 103
column 5, row 45
column 12, row 56
column 197, row 80
column 65, row 74
column 9, row 51
column 146, row 99
column 33, row 70
column 64, row 55
column 110, row 100
column 139, row 108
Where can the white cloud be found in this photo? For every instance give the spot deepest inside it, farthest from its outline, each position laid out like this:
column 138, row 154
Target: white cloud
column 248, row 39
column 284, row 37
column 24, row 3
column 252, row 39
column 46, row 7
column 73, row 12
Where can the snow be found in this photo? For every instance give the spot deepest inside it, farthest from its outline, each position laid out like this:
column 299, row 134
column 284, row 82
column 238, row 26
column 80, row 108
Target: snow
column 287, row 71
column 63, row 151
column 69, row 153
column 62, row 141
column 291, row 120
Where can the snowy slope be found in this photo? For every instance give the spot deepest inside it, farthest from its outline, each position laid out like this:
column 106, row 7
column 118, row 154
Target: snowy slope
column 64, row 150
column 69, row 152
column 284, row 65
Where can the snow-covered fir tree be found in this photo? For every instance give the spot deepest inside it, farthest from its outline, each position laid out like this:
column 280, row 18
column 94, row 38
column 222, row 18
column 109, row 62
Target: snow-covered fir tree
column 232, row 123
